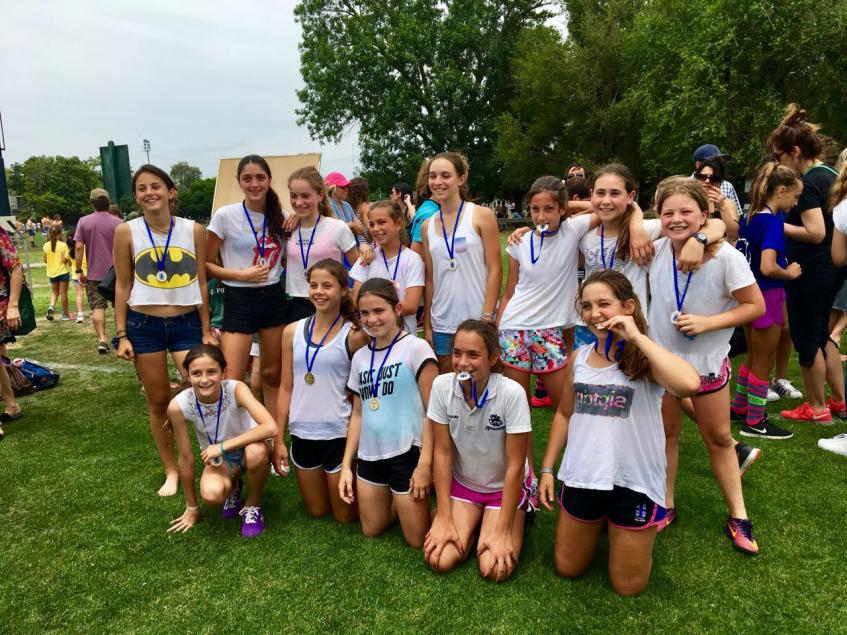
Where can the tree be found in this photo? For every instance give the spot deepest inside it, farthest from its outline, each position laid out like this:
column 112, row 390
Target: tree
column 196, row 201
column 55, row 185
column 417, row 76
column 184, row 175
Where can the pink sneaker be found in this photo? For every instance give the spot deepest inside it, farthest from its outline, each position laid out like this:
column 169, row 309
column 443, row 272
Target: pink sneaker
column 804, row 412
column 544, row 402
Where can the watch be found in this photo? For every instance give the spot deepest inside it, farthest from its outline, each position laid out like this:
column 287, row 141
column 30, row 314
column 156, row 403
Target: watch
column 701, row 238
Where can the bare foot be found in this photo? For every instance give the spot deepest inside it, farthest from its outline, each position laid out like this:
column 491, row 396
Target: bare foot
column 171, row 485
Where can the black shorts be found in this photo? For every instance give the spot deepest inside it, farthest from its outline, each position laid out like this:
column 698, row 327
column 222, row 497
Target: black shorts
column 251, row 309
column 809, row 301
column 394, row 473
column 307, row 454
column 621, row 506
column 299, row 308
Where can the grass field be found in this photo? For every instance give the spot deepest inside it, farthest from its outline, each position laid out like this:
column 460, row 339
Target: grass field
column 85, row 549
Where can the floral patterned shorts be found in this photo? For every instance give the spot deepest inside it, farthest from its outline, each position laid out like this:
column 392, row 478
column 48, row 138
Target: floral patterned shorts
column 536, row 351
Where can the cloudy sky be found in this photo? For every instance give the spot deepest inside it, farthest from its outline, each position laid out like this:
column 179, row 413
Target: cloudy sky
column 201, row 79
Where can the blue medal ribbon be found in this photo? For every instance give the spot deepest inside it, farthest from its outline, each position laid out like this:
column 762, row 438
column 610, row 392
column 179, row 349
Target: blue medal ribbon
column 160, row 263
column 396, row 263
column 479, row 404
column 375, row 378
column 310, row 364
column 603, row 250
column 259, row 246
column 304, row 257
column 203, row 419
column 680, row 299
column 608, row 348
column 532, row 247
column 451, row 244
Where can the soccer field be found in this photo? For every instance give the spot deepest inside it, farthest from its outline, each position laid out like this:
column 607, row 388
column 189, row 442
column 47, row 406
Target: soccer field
column 85, row 548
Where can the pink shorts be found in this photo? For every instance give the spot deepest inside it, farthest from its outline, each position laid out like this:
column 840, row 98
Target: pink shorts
column 489, row 500
column 774, row 304
column 715, row 381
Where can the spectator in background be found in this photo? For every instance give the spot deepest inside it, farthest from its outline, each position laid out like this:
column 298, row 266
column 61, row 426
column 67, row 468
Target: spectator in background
column 94, row 237
column 710, row 151
column 401, row 193
column 357, row 197
column 114, row 210
column 712, row 175
column 30, row 229
column 576, row 170
column 11, row 280
column 337, row 187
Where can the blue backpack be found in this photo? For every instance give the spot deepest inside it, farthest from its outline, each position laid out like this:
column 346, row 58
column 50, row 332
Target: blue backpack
column 41, row 376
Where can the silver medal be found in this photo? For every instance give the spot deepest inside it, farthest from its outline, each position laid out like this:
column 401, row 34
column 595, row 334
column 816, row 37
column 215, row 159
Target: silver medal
column 263, row 262
column 161, row 276
column 217, row 461
column 463, row 376
column 452, row 264
column 373, row 404
column 543, row 227
column 675, row 317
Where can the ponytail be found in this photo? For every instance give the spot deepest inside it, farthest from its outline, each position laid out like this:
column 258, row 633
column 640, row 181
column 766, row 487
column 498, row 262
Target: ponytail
column 795, row 131
column 770, row 176
column 838, row 190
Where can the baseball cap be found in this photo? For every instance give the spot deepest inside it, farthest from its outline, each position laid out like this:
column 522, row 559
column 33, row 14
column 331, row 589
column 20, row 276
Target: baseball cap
column 97, row 192
column 337, row 179
column 707, row 151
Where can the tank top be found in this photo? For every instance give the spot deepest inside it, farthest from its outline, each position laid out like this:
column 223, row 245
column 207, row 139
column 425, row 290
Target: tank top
column 460, row 294
column 320, row 411
column 615, row 434
column 178, row 286
column 233, row 422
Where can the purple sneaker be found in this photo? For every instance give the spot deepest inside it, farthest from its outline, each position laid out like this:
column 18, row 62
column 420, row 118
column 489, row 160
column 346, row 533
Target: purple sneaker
column 232, row 505
column 252, row 521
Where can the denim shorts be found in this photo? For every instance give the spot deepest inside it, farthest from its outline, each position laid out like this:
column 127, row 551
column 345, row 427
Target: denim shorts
column 443, row 343
column 152, row 334
column 65, row 277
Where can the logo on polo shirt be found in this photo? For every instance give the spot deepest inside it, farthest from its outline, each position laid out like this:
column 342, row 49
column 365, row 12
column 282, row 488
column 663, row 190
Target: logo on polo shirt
column 495, row 423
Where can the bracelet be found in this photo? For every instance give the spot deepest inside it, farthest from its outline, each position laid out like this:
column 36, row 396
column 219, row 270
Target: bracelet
column 79, row 270
column 120, row 333
column 488, row 317
column 120, row 337
column 545, row 470
column 192, row 508
column 222, row 447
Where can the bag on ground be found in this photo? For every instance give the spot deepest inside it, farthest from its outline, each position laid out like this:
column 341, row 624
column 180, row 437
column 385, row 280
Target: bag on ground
column 41, row 376
column 20, row 384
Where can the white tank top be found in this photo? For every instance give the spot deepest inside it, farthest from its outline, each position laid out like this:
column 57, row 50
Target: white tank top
column 177, row 285
column 233, row 422
column 459, row 294
column 320, row 411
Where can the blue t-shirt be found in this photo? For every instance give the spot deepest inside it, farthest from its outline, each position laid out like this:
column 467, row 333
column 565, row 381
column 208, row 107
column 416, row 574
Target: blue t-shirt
column 426, row 210
column 763, row 231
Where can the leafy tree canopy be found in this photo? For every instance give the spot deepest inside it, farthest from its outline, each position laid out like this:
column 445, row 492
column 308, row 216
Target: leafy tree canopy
column 184, row 175
column 195, row 202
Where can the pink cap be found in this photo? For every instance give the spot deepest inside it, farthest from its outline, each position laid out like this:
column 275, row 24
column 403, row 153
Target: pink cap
column 337, row 179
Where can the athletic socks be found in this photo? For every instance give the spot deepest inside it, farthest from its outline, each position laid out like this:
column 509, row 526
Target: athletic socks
column 540, row 390
column 757, row 399
column 739, row 402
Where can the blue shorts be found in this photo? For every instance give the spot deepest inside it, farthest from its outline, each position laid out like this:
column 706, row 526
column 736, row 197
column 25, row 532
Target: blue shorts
column 65, row 277
column 443, row 343
column 152, row 334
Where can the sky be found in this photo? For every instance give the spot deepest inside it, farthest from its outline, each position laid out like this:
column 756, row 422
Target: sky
column 201, row 79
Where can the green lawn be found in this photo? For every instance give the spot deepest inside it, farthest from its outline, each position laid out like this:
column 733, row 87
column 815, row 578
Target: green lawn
column 85, row 547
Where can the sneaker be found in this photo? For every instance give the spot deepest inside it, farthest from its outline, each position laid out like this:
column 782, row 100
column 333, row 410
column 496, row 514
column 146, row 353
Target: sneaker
column 804, row 412
column 740, row 532
column 773, row 395
column 784, row 388
column 65, row 317
column 837, row 444
column 252, row 521
column 543, row 402
column 102, row 347
column 747, row 455
column 50, row 312
column 737, row 417
column 837, row 408
column 79, row 318
column 232, row 505
column 765, row 430
column 668, row 520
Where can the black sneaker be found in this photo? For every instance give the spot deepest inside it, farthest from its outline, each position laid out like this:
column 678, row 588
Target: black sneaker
column 747, row 455
column 765, row 430
column 737, row 417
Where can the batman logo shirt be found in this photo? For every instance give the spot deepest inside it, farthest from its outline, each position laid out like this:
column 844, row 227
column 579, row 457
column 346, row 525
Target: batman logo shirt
column 180, row 268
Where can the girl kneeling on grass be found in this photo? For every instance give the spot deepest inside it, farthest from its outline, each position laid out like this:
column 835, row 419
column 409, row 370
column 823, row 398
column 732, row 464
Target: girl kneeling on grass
column 313, row 399
column 481, row 432
column 610, row 417
column 391, row 381
column 225, row 415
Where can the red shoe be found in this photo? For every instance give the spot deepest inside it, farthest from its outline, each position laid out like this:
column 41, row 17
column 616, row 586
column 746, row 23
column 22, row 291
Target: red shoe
column 740, row 532
column 544, row 402
column 837, row 408
column 804, row 412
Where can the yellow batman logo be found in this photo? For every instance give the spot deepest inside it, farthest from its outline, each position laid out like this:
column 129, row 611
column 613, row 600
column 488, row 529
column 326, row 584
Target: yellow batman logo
column 180, row 268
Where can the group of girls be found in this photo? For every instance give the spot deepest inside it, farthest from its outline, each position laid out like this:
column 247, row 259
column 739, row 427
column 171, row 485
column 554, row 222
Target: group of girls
column 378, row 418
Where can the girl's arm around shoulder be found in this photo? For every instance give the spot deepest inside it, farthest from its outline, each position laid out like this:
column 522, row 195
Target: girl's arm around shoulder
column 509, row 290
column 356, row 339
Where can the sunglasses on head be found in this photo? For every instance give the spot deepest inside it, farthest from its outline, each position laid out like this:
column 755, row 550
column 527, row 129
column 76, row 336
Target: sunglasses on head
column 711, row 178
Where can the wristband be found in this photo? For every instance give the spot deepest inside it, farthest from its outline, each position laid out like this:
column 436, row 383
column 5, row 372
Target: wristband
column 222, row 447
column 488, row 317
column 545, row 470
column 192, row 508
column 79, row 270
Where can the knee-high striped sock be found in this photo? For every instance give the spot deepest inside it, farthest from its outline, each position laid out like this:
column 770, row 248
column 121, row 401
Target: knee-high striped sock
column 757, row 393
column 739, row 402
column 540, row 390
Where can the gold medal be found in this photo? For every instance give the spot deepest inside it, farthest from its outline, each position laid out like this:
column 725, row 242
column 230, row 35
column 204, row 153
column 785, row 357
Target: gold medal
column 309, row 378
column 373, row 404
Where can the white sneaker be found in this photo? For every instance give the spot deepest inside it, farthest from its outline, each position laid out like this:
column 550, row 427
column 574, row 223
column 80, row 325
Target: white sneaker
column 786, row 389
column 79, row 318
column 837, row 444
column 773, row 396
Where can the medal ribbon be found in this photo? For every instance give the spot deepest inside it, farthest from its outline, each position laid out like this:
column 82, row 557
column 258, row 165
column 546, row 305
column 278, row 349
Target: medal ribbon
column 450, row 245
column 479, row 404
column 532, row 247
column 305, row 257
column 310, row 364
column 160, row 263
column 679, row 299
column 375, row 380
column 259, row 246
column 203, row 419
column 396, row 263
column 603, row 250
column 608, row 347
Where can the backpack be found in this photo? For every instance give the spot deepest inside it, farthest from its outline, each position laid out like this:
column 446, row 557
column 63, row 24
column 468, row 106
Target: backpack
column 41, row 376
column 20, row 384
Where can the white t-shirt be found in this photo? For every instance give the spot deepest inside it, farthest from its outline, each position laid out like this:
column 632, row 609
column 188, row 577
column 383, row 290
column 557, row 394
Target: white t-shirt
column 410, row 273
column 239, row 249
column 332, row 239
column 234, row 420
column 545, row 296
column 709, row 293
column 839, row 216
column 479, row 434
column 590, row 245
column 615, row 435
column 398, row 423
